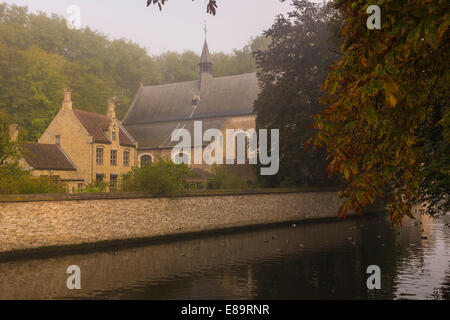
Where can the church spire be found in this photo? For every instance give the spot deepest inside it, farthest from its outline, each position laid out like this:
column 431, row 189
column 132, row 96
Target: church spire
column 205, row 65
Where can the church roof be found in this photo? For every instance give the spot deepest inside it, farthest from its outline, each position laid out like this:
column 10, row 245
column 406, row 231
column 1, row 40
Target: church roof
column 219, row 97
column 47, row 157
column 97, row 125
column 158, row 135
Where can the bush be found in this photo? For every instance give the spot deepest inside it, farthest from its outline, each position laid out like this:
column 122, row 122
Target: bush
column 96, row 187
column 223, row 178
column 14, row 180
column 162, row 178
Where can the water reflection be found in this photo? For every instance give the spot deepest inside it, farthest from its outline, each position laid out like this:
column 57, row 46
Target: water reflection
column 311, row 261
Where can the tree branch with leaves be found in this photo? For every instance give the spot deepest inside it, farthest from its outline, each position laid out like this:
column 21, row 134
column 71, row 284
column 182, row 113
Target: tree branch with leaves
column 378, row 95
column 211, row 7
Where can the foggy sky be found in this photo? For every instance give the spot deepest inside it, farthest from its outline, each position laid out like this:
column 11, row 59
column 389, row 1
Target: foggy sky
column 178, row 27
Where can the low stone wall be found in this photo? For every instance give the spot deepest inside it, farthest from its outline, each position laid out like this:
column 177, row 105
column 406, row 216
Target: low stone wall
column 42, row 222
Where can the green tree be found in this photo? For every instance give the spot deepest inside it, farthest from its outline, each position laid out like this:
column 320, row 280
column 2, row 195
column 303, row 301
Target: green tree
column 292, row 71
column 179, row 67
column 15, row 180
column 31, row 82
column 8, row 149
column 160, row 178
column 176, row 67
column 39, row 55
column 384, row 94
column 224, row 178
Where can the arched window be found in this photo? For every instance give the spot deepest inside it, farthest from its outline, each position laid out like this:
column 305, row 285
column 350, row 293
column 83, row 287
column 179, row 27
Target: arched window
column 145, row 160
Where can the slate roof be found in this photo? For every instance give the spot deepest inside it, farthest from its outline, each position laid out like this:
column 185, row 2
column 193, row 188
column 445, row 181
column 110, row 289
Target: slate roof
column 219, row 97
column 47, row 157
column 158, row 135
column 158, row 110
column 97, row 125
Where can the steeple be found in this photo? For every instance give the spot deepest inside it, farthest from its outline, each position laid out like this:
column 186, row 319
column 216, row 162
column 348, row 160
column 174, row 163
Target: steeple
column 205, row 65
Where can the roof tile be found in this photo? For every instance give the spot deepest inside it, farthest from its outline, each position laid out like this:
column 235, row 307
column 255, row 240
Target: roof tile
column 97, row 124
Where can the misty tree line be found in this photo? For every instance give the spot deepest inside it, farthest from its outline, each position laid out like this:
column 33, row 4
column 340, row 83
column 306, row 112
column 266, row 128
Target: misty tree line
column 40, row 55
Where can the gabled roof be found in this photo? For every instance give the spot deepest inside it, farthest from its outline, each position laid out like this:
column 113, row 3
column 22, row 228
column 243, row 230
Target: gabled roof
column 219, row 97
column 97, row 125
column 47, row 157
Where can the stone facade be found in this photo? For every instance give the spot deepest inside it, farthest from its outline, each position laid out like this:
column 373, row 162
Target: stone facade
column 239, row 123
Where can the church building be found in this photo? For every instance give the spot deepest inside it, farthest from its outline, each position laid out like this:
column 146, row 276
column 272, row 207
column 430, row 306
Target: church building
column 220, row 103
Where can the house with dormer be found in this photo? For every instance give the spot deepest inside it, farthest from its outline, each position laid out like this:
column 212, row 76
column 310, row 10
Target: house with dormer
column 80, row 147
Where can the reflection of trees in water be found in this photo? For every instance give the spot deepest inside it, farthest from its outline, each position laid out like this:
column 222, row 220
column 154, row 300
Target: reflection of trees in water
column 325, row 275
column 341, row 272
column 445, row 287
column 423, row 245
column 312, row 261
column 328, row 267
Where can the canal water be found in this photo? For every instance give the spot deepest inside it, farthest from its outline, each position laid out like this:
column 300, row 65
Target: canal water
column 320, row 260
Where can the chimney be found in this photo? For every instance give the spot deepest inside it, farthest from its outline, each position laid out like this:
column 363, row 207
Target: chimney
column 111, row 109
column 14, row 132
column 67, row 103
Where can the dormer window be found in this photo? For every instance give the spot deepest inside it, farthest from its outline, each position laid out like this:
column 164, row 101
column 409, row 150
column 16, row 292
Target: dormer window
column 114, row 136
column 195, row 101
